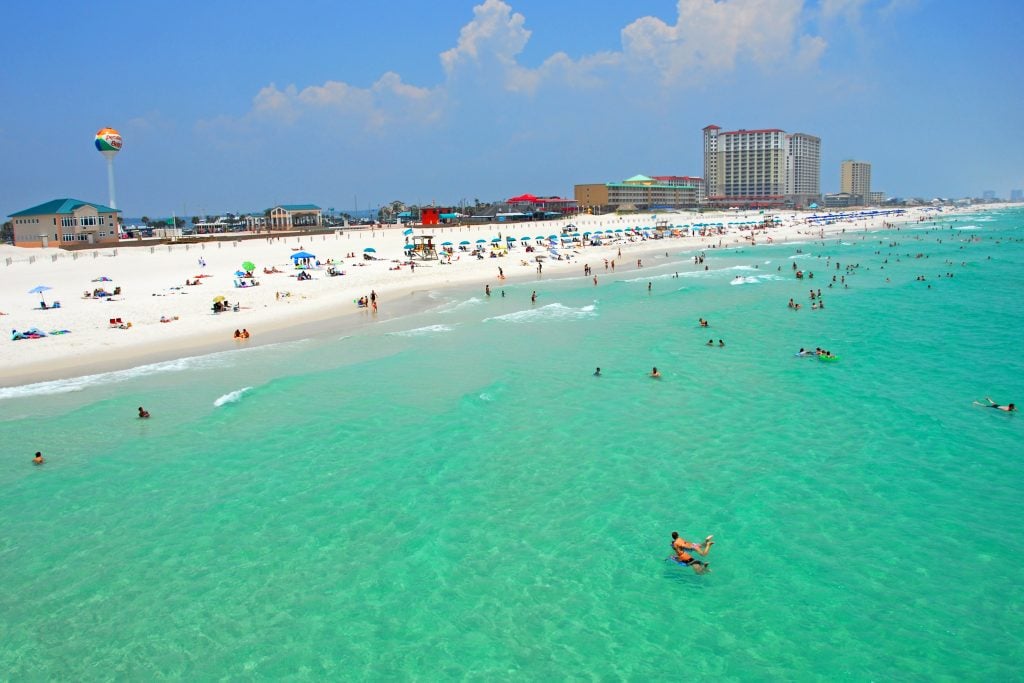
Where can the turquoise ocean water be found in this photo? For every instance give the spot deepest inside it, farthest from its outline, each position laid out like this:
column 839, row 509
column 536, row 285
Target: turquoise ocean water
column 452, row 494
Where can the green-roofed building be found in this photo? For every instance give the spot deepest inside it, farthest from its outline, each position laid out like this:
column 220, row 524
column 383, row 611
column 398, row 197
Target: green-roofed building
column 288, row 216
column 62, row 222
column 642, row 192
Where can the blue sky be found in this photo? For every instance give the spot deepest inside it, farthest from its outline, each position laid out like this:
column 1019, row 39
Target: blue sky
column 231, row 105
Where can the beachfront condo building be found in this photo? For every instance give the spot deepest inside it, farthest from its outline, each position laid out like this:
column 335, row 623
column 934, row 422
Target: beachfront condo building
column 855, row 179
column 641, row 192
column 767, row 167
column 65, row 223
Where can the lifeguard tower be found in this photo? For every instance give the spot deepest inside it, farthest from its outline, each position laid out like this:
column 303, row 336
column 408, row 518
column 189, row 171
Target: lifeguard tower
column 423, row 247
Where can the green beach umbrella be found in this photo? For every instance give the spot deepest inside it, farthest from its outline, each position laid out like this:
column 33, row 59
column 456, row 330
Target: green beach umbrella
column 248, row 266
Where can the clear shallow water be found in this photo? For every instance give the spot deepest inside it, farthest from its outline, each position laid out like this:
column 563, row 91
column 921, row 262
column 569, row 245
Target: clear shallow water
column 454, row 495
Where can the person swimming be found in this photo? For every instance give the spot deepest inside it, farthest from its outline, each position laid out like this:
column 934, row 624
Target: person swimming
column 143, row 413
column 597, row 372
column 655, row 373
column 38, row 459
column 1009, row 408
column 681, row 547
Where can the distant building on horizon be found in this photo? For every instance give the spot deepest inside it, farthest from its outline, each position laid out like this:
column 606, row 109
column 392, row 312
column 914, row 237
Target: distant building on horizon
column 641, row 192
column 855, row 180
column 989, row 195
column 767, row 167
column 287, row 216
column 1017, row 195
column 63, row 222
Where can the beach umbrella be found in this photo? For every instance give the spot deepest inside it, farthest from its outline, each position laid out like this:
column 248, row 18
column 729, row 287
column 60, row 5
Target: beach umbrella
column 39, row 289
column 239, row 273
column 510, row 239
column 407, row 231
column 481, row 241
column 369, row 250
column 446, row 244
column 539, row 237
column 464, row 242
column 525, row 238
column 552, row 237
column 217, row 299
column 410, row 247
column 248, row 266
column 495, row 239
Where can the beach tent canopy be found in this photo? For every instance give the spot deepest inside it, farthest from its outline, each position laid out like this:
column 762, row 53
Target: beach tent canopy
column 302, row 254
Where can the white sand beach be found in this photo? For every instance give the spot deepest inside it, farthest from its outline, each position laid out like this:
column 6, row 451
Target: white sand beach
column 152, row 284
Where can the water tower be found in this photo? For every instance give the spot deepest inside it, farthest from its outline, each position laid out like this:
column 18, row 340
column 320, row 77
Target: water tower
column 108, row 142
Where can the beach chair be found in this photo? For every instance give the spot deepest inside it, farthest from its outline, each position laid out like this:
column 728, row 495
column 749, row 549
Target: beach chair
column 116, row 322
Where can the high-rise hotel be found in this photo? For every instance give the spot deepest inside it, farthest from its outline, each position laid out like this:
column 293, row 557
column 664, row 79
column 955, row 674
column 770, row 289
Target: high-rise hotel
column 855, row 180
column 761, row 168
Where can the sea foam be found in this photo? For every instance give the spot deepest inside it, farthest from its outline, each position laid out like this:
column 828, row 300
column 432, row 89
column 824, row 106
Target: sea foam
column 550, row 312
column 231, row 397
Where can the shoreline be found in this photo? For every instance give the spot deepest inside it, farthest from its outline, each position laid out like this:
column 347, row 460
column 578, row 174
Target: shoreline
column 93, row 347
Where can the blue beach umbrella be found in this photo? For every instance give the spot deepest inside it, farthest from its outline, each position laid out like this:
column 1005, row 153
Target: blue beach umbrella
column 464, row 242
column 481, row 241
column 446, row 244
column 39, row 289
column 495, row 240
column 239, row 273
column 525, row 238
column 407, row 231
column 410, row 247
column 369, row 250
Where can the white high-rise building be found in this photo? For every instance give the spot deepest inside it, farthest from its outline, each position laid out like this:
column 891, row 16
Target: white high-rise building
column 855, row 179
column 765, row 167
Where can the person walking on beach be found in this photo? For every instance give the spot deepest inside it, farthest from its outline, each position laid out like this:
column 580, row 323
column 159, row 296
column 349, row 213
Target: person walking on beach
column 992, row 404
column 681, row 547
column 38, row 459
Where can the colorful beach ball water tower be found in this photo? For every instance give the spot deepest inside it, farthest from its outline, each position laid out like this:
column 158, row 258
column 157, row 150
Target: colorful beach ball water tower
column 108, row 142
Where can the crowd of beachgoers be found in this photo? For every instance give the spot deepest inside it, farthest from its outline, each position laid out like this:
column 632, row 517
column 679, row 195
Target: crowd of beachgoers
column 70, row 312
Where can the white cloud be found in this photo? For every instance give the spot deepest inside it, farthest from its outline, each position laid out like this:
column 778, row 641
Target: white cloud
column 495, row 33
column 711, row 35
column 388, row 99
column 707, row 38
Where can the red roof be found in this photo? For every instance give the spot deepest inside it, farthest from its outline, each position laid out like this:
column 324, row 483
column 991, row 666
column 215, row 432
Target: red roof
column 760, row 130
column 523, row 198
column 712, row 126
